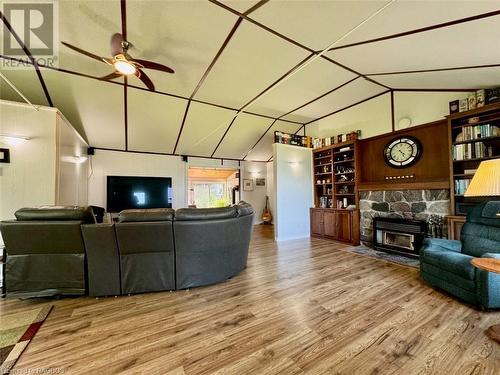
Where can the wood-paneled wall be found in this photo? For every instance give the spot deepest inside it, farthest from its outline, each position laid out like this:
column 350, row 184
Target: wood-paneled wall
column 431, row 171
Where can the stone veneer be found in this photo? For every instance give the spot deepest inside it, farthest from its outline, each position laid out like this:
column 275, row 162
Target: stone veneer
column 405, row 204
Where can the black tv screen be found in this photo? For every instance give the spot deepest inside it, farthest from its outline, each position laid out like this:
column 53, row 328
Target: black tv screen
column 124, row 192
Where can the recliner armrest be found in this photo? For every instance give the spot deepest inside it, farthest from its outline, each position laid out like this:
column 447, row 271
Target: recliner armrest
column 491, row 255
column 450, row 245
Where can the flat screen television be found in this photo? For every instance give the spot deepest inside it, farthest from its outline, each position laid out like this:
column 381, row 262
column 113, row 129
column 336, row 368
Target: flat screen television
column 126, row 192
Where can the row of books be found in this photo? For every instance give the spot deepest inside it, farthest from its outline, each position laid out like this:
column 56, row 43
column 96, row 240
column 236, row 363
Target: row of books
column 311, row 142
column 475, row 100
column 476, row 132
column 461, row 186
column 474, row 150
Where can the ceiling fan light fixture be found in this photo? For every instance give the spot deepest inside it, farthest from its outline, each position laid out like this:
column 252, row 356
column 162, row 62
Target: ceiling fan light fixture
column 125, row 67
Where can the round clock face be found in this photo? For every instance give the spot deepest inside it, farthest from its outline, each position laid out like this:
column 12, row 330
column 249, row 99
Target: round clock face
column 402, row 151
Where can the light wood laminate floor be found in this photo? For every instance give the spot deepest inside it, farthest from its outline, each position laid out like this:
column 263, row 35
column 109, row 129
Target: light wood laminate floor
column 304, row 306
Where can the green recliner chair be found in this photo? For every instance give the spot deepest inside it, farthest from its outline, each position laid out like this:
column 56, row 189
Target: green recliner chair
column 446, row 264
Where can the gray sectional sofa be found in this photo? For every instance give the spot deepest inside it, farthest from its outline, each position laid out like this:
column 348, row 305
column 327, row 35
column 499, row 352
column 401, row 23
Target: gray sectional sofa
column 63, row 252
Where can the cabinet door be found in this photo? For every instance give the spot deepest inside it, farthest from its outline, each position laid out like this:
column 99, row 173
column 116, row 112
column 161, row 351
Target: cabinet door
column 329, row 224
column 317, row 222
column 343, row 226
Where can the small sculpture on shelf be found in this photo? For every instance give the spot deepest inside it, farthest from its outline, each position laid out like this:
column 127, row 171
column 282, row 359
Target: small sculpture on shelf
column 344, row 190
column 343, row 169
column 435, row 226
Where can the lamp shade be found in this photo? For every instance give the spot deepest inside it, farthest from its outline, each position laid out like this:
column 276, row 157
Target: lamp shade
column 486, row 180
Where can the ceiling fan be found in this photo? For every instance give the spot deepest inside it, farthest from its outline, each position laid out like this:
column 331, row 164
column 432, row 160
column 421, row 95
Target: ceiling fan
column 123, row 63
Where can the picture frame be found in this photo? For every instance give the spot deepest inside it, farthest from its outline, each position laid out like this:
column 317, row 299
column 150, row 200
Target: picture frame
column 247, row 184
column 260, row 182
column 4, row 155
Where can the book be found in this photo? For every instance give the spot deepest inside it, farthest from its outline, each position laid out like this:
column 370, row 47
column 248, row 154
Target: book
column 471, row 100
column 454, row 106
column 480, row 98
column 463, row 105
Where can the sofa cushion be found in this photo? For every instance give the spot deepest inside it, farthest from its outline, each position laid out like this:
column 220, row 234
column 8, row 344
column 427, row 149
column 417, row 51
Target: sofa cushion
column 451, row 261
column 192, row 214
column 478, row 239
column 153, row 214
column 243, row 208
column 56, row 213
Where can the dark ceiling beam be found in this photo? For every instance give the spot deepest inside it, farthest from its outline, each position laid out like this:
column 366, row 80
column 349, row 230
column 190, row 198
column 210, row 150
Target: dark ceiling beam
column 182, row 125
column 30, row 56
column 125, row 110
column 258, row 96
column 319, row 97
column 280, row 79
column 420, row 30
column 290, row 40
column 224, row 135
column 260, row 138
column 205, row 75
column 123, row 17
column 123, row 13
column 299, row 107
column 66, row 71
column 393, row 123
column 434, row 70
column 349, row 106
column 433, row 90
column 171, row 154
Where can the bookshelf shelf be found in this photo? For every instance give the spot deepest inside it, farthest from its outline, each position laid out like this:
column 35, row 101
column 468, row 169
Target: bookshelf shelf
column 477, row 159
column 482, row 124
column 486, row 139
column 343, row 161
column 334, row 194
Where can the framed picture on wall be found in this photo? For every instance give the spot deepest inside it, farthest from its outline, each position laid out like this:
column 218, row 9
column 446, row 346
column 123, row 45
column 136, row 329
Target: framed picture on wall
column 260, row 182
column 247, row 184
column 4, row 155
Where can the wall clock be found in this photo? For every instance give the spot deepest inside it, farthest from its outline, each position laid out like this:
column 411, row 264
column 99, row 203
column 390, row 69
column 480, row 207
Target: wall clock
column 403, row 151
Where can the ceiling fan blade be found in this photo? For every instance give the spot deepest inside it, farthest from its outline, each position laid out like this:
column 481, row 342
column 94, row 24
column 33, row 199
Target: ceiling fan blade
column 116, row 44
column 79, row 50
column 152, row 65
column 110, row 76
column 145, row 79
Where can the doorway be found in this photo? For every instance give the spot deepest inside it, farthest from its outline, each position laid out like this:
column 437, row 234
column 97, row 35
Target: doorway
column 213, row 187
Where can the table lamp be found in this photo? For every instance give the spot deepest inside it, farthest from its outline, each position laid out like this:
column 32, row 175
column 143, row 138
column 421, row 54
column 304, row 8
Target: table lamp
column 486, row 180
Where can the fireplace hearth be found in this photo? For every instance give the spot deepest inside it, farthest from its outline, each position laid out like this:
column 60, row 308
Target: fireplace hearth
column 402, row 236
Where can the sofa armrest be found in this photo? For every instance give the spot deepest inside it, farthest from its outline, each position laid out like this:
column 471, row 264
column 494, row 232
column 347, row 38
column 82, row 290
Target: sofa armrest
column 488, row 285
column 103, row 259
column 450, row 245
column 491, row 255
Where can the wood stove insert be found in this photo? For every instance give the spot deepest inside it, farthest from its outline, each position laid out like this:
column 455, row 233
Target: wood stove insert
column 402, row 236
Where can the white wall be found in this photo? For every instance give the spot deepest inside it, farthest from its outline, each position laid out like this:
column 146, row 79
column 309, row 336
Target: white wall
column 270, row 188
column 423, row 107
column 293, row 191
column 72, row 172
column 257, row 197
column 115, row 163
column 374, row 116
column 37, row 174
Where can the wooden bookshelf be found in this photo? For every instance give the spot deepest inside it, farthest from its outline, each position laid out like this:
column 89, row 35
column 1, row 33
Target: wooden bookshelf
column 335, row 188
column 483, row 145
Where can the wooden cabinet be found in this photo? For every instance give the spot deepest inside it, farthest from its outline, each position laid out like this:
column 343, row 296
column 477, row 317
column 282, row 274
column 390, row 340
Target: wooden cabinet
column 455, row 224
column 316, row 223
column 336, row 224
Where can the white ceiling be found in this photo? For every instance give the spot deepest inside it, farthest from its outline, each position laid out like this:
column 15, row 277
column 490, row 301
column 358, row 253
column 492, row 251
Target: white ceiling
column 189, row 35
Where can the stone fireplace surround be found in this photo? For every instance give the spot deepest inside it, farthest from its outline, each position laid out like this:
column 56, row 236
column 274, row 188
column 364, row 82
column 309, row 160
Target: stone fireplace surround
column 405, row 204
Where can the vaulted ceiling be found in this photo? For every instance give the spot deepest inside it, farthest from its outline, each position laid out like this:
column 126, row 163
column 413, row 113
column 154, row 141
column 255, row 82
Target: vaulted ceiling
column 239, row 66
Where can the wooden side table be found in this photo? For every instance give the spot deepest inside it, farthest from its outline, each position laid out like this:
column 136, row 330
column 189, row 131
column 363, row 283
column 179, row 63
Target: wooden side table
column 490, row 265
